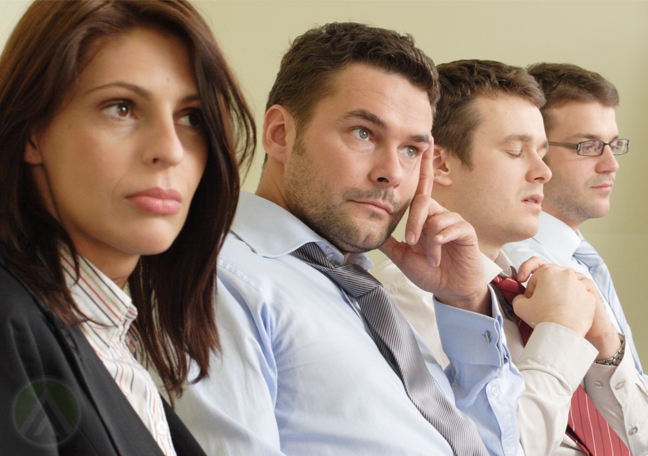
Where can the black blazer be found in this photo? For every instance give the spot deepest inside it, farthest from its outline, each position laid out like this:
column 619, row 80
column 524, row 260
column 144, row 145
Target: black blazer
column 80, row 410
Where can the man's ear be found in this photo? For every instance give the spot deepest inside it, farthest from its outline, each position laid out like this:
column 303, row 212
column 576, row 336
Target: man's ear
column 32, row 154
column 278, row 133
column 442, row 166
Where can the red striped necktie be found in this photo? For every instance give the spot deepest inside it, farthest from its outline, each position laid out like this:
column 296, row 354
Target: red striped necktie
column 586, row 426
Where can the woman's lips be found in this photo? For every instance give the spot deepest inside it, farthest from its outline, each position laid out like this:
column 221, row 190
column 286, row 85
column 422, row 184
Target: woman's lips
column 157, row 200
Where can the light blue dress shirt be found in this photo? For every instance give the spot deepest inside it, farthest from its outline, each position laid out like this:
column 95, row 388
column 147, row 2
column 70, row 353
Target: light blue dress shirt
column 299, row 374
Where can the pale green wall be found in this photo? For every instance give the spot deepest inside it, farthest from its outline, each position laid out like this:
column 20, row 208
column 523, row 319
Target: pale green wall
column 610, row 37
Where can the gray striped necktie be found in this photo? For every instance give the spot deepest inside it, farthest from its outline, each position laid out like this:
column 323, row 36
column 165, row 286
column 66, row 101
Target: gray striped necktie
column 396, row 341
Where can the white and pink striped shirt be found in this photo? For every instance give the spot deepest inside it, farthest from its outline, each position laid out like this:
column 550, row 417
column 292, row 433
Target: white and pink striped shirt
column 112, row 338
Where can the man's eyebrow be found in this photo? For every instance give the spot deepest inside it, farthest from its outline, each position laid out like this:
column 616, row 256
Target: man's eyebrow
column 586, row 137
column 524, row 139
column 142, row 92
column 374, row 119
column 364, row 114
column 421, row 139
column 518, row 137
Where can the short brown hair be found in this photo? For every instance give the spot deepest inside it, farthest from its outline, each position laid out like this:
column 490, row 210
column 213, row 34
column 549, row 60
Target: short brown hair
column 306, row 69
column 564, row 82
column 461, row 83
column 173, row 291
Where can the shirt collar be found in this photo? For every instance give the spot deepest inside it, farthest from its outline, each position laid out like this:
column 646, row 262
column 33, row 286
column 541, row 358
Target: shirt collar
column 557, row 236
column 98, row 297
column 282, row 232
column 502, row 265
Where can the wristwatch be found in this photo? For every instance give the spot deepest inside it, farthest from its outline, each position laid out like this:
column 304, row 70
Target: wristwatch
column 615, row 359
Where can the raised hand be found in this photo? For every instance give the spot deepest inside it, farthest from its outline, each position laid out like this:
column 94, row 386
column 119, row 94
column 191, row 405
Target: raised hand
column 529, row 267
column 441, row 254
column 558, row 295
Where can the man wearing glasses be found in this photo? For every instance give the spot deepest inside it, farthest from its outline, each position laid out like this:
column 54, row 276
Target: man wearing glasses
column 584, row 139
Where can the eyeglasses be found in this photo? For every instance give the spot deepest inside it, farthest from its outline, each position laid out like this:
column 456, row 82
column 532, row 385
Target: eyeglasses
column 594, row 147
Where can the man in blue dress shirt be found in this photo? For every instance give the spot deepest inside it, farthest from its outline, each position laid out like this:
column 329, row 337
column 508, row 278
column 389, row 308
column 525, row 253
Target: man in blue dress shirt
column 347, row 134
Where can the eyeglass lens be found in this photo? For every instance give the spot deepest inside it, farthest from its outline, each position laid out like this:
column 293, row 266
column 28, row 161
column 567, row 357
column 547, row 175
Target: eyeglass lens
column 595, row 147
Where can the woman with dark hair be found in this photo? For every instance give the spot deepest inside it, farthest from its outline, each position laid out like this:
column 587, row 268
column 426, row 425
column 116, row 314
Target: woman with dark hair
column 121, row 133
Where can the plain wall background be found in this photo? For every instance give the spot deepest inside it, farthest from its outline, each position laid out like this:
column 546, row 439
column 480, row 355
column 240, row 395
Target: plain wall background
column 609, row 37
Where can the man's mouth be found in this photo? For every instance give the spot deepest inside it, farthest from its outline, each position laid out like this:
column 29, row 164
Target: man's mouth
column 534, row 199
column 380, row 207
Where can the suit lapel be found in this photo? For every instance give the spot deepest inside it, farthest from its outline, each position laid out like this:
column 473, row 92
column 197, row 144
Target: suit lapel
column 184, row 442
column 125, row 428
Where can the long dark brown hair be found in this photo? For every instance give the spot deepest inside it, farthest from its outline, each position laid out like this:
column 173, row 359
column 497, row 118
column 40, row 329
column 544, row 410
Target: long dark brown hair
column 173, row 291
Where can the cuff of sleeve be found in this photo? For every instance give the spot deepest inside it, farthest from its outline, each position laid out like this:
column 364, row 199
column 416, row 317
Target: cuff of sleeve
column 470, row 337
column 560, row 352
column 601, row 379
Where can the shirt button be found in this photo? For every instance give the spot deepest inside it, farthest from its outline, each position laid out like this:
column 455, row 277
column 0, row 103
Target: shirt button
column 633, row 431
column 494, row 391
column 599, row 385
column 488, row 336
column 619, row 385
column 162, row 428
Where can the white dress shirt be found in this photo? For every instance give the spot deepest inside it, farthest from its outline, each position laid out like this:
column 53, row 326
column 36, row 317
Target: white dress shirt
column 555, row 243
column 300, row 375
column 112, row 338
column 627, row 405
column 554, row 362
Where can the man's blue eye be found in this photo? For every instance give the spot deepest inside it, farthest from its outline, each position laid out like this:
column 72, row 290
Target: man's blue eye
column 361, row 133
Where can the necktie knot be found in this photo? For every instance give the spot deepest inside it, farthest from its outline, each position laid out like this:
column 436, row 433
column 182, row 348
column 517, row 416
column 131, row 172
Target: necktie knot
column 509, row 286
column 353, row 279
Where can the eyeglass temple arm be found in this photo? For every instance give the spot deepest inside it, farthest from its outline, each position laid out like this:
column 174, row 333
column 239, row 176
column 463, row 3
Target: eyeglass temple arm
column 567, row 145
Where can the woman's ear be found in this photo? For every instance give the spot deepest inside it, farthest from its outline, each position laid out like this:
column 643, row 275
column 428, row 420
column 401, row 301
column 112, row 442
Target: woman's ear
column 442, row 166
column 278, row 133
column 32, row 154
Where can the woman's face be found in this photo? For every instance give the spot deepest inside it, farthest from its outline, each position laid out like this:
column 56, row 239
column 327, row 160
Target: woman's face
column 119, row 163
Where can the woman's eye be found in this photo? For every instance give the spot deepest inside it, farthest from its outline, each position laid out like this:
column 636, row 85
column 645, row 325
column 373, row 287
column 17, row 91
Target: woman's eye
column 192, row 119
column 120, row 110
column 362, row 133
